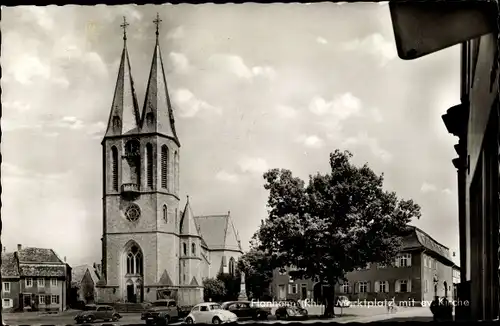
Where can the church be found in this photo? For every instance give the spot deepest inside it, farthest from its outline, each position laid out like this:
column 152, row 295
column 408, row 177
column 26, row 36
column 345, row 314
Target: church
column 152, row 247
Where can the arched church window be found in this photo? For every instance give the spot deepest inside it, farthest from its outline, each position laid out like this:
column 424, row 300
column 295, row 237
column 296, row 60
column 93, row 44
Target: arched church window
column 165, row 213
column 185, row 249
column 149, row 164
column 193, row 249
column 134, row 261
column 164, row 166
column 114, row 167
column 176, row 171
column 231, row 266
column 116, row 122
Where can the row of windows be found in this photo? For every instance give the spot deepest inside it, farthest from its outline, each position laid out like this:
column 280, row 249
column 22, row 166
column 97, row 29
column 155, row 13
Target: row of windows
column 185, row 249
column 40, row 282
column 132, row 146
column 294, row 288
column 52, row 299
column 379, row 287
column 429, row 262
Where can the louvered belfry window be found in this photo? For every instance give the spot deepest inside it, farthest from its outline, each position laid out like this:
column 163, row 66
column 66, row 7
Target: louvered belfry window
column 149, row 166
column 114, row 163
column 164, row 167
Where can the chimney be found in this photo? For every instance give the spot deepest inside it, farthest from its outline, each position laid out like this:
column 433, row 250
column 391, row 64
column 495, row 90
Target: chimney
column 19, row 247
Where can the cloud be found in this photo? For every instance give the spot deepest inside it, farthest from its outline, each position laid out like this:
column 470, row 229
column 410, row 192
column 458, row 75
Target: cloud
column 255, row 165
column 180, row 62
column 18, row 106
column 235, row 65
column 342, row 107
column 12, row 171
column 189, row 106
column 428, row 187
column 41, row 16
column 447, row 191
column 321, row 40
column 30, row 69
column 362, row 139
column 227, row 177
column 311, row 141
column 176, row 33
column 69, row 123
column 374, row 44
column 286, row 111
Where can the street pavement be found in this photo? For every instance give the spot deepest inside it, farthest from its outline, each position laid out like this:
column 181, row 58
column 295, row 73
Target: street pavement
column 352, row 314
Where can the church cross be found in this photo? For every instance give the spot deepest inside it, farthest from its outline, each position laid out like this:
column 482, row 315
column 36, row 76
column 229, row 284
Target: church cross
column 157, row 21
column 124, row 26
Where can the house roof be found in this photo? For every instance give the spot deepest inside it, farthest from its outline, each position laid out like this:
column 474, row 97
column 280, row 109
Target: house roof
column 78, row 272
column 218, row 232
column 37, row 270
column 38, row 255
column 9, row 265
column 422, row 239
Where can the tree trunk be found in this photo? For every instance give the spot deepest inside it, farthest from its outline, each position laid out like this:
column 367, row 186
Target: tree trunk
column 329, row 297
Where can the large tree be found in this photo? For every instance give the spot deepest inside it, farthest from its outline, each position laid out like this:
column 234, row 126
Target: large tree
column 340, row 221
column 213, row 289
column 256, row 265
column 231, row 283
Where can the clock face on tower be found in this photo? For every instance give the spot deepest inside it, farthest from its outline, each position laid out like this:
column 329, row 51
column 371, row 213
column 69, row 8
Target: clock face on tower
column 133, row 212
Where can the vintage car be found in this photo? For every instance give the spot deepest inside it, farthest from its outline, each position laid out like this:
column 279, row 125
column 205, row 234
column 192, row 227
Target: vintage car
column 245, row 309
column 92, row 313
column 210, row 313
column 342, row 302
column 161, row 312
column 291, row 309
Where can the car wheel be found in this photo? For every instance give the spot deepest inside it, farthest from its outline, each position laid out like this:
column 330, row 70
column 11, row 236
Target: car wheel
column 164, row 321
column 91, row 319
column 189, row 321
column 149, row 323
column 115, row 318
column 216, row 321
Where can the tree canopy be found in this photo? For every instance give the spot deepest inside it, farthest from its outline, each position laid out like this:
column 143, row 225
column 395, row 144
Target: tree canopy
column 258, row 273
column 338, row 222
column 213, row 289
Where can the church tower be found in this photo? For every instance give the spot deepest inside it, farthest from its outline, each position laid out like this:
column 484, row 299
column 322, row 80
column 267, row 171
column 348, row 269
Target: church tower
column 140, row 243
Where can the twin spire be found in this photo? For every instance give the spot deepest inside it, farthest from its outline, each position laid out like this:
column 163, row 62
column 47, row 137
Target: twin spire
column 157, row 113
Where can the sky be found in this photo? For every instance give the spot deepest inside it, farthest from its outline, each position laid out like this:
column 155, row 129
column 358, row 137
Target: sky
column 254, row 87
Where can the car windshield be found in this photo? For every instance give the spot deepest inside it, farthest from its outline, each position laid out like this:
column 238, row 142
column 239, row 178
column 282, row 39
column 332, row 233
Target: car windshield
column 215, row 307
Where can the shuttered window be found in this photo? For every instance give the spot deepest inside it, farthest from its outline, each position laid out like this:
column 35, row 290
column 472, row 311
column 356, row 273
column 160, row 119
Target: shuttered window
column 164, row 167
column 114, row 167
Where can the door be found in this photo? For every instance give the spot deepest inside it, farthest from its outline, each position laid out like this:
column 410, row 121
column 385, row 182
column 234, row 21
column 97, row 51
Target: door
column 281, row 292
column 27, row 300
column 234, row 309
column 303, row 289
column 100, row 313
column 204, row 315
column 244, row 310
column 130, row 293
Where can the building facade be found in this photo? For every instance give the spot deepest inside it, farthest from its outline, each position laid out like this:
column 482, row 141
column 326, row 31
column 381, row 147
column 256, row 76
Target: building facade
column 475, row 122
column 84, row 280
column 34, row 279
column 421, row 270
column 151, row 248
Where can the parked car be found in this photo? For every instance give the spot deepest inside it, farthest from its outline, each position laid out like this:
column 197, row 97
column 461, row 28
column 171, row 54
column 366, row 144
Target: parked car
column 291, row 312
column 92, row 313
column 161, row 312
column 210, row 313
column 343, row 302
column 245, row 309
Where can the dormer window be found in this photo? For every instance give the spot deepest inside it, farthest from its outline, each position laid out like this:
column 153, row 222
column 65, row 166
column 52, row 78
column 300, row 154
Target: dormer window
column 150, row 118
column 117, row 124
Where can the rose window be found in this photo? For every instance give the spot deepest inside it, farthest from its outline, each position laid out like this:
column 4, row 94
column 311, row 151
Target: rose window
column 133, row 213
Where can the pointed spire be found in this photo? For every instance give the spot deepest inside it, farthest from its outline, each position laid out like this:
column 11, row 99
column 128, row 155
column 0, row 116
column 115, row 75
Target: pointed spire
column 188, row 225
column 124, row 115
column 157, row 113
